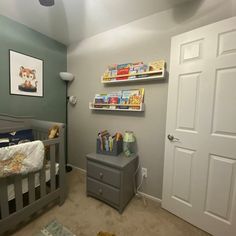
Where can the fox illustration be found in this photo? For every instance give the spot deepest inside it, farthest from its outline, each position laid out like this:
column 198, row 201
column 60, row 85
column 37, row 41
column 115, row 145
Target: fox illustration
column 29, row 77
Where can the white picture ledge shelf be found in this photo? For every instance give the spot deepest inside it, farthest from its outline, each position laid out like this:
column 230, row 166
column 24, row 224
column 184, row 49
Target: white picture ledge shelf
column 106, row 107
column 149, row 76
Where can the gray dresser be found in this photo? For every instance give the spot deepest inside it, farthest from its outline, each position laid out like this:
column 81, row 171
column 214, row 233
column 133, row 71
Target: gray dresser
column 111, row 178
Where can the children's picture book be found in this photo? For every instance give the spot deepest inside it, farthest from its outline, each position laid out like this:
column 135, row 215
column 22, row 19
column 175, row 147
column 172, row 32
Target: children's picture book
column 132, row 96
column 134, row 69
column 123, row 69
column 125, row 99
column 114, row 98
column 100, row 99
column 111, row 71
column 156, row 65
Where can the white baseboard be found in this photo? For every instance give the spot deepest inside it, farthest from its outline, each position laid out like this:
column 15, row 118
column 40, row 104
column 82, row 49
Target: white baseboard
column 155, row 199
column 77, row 168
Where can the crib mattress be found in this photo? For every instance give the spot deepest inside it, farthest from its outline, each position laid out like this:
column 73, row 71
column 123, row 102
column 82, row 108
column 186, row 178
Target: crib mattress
column 11, row 189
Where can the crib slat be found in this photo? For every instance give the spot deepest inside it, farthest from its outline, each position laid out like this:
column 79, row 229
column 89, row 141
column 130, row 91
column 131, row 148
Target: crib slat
column 35, row 135
column 41, row 136
column 42, row 182
column 4, row 198
column 31, row 185
column 62, row 169
column 18, row 192
column 52, row 167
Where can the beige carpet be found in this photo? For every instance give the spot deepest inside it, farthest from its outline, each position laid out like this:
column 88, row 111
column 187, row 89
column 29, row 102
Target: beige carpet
column 86, row 216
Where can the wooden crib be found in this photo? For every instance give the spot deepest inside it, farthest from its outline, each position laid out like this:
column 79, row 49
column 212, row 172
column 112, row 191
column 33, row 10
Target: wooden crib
column 36, row 190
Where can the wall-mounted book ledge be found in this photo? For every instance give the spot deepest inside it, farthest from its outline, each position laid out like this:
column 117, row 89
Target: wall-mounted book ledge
column 125, row 100
column 134, row 72
column 116, row 107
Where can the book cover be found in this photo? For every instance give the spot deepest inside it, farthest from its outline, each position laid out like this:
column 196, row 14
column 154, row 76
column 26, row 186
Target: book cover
column 100, row 99
column 132, row 96
column 123, row 69
column 114, row 98
column 156, row 65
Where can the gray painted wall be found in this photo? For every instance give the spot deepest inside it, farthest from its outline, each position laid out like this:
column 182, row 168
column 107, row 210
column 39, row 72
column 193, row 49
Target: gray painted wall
column 20, row 38
column 145, row 40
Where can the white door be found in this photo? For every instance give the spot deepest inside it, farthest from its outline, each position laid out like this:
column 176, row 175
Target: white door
column 200, row 168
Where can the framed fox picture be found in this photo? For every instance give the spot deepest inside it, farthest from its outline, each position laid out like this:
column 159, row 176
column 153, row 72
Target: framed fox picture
column 26, row 75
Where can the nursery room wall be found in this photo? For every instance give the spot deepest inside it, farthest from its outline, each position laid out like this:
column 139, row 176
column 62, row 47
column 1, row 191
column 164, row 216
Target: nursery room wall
column 145, row 40
column 20, row 38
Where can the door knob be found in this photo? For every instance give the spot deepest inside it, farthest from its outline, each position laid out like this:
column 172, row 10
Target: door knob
column 172, row 138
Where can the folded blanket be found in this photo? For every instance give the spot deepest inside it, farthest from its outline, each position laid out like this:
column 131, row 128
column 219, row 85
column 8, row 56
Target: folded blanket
column 21, row 159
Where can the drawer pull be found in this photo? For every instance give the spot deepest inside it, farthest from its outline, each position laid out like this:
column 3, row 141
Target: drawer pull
column 100, row 191
column 101, row 175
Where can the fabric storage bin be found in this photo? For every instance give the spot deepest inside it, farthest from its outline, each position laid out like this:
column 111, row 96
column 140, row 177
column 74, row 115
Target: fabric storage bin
column 117, row 148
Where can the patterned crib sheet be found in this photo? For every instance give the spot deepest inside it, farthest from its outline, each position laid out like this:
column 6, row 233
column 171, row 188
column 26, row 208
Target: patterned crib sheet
column 21, row 159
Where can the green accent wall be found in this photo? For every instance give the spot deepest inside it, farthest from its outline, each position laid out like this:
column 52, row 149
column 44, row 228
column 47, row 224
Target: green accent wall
column 22, row 39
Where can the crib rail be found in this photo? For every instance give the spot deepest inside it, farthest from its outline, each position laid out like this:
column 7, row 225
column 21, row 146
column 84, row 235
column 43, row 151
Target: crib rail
column 9, row 123
column 24, row 204
column 4, row 198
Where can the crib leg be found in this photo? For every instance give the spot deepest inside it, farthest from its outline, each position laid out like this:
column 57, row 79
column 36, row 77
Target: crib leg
column 62, row 200
column 63, row 189
column 62, row 196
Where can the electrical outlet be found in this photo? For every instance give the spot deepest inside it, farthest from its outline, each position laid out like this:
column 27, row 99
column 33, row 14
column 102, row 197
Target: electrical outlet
column 144, row 172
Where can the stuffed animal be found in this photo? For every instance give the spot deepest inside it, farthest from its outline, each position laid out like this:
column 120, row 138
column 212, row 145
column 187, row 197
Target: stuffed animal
column 53, row 132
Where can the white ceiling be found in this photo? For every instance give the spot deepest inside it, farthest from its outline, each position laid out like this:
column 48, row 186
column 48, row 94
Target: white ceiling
column 73, row 20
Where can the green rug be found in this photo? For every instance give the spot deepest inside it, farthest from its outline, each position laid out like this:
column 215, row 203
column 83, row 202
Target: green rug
column 54, row 228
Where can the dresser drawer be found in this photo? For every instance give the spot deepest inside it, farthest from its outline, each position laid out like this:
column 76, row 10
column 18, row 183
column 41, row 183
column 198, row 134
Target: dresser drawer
column 103, row 173
column 103, row 191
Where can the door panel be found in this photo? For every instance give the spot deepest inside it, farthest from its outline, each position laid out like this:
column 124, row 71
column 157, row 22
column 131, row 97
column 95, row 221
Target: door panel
column 191, row 51
column 226, row 43
column 221, row 176
column 200, row 164
column 188, row 92
column 225, row 103
column 182, row 179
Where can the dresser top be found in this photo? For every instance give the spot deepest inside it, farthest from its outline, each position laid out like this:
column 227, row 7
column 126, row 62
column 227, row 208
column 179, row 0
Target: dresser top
column 117, row 161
